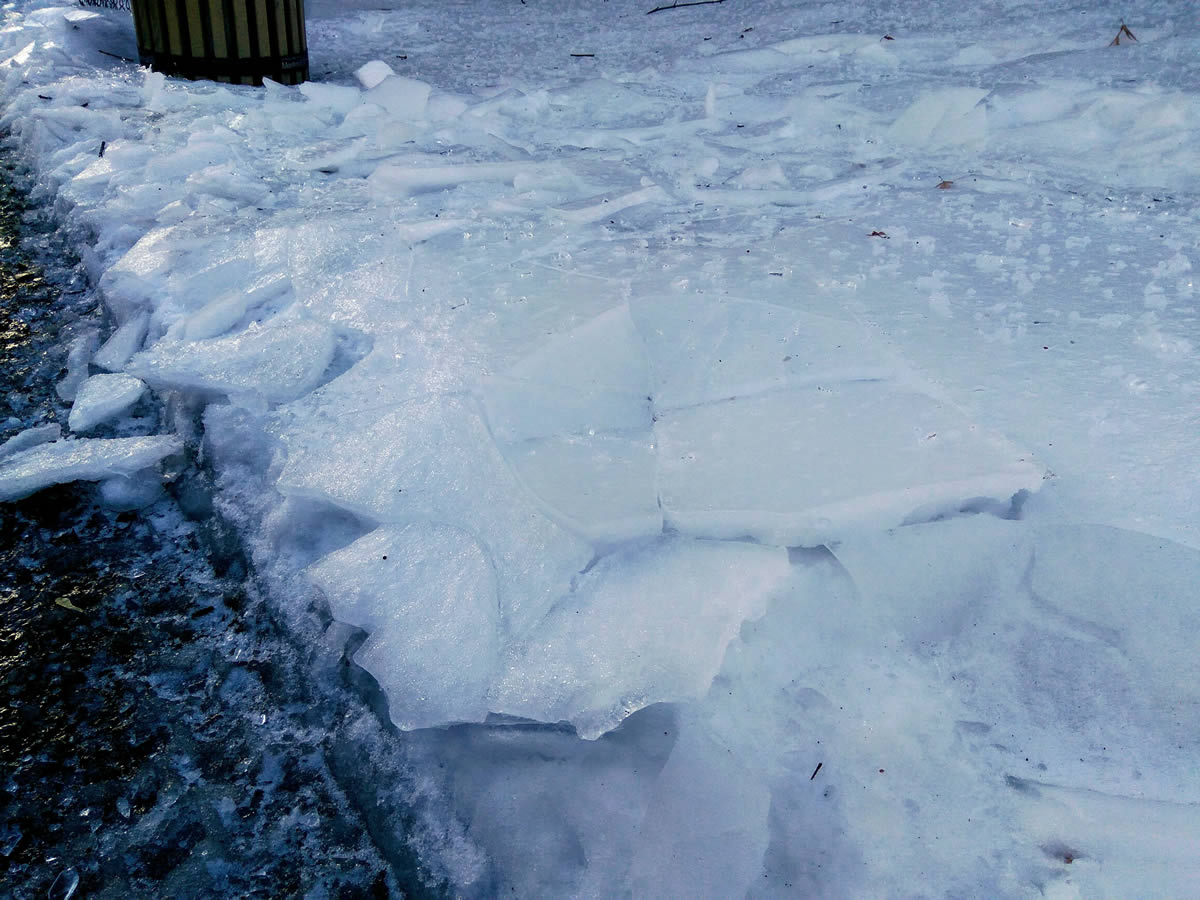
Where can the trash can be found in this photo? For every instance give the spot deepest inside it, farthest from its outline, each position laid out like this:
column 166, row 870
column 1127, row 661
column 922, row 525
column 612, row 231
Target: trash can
column 235, row 41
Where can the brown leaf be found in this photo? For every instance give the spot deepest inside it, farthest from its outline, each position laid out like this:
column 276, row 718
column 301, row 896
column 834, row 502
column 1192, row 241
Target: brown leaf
column 945, row 185
column 880, row 234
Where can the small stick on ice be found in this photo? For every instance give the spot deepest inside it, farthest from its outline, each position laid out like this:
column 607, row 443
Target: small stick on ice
column 1123, row 32
column 815, row 771
column 678, row 5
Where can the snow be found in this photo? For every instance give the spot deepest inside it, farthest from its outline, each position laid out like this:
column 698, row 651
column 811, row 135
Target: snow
column 777, row 386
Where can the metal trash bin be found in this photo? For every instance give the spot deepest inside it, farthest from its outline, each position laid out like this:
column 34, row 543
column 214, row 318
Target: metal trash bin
column 235, row 41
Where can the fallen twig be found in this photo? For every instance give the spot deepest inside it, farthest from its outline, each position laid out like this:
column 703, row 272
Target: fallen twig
column 1123, row 32
column 678, row 5
column 815, row 771
column 116, row 56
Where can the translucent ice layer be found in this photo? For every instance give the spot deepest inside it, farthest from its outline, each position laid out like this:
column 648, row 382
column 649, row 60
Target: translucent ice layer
column 101, row 398
column 87, row 459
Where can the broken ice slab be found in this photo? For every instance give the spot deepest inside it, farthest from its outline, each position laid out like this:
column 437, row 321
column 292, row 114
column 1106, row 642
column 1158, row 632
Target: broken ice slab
column 372, row 73
column 276, row 362
column 122, row 344
column 705, row 349
column 573, row 419
column 594, row 378
column 644, row 626
column 103, row 397
column 79, row 354
column 811, row 465
column 601, row 486
column 593, row 209
column 433, row 460
column 400, row 97
column 30, row 437
column 399, row 179
column 426, row 594
column 89, row 459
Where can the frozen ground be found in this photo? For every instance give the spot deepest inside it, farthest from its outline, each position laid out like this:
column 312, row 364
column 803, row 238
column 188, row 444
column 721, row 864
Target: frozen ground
column 799, row 401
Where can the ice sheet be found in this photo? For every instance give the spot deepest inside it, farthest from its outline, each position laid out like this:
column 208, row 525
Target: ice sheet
column 602, row 486
column 811, row 465
column 644, row 626
column 594, row 378
column 87, row 459
column 103, row 397
column 426, row 595
column 433, row 460
column 275, row 363
column 705, row 349
column 29, row 438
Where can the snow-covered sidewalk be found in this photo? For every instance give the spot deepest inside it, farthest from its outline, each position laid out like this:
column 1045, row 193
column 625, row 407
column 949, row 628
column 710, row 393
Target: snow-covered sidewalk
column 831, row 380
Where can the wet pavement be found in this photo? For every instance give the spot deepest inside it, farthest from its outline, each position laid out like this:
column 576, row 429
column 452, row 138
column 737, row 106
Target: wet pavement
column 160, row 735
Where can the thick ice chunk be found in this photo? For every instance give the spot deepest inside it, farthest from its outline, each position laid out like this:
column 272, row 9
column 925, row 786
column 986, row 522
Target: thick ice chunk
column 601, row 486
column 90, row 459
column 277, row 362
column 644, row 626
column 427, row 596
column 943, row 117
column 433, row 460
column 402, row 98
column 339, row 98
column 372, row 73
column 30, row 438
column 811, row 465
column 122, row 344
column 79, row 355
column 103, row 397
column 703, row 350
